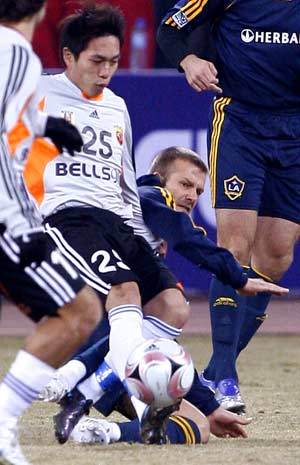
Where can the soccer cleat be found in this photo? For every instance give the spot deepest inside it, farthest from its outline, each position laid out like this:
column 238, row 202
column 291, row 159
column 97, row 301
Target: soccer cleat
column 207, row 382
column 10, row 451
column 154, row 423
column 229, row 397
column 92, row 431
column 73, row 407
column 55, row 390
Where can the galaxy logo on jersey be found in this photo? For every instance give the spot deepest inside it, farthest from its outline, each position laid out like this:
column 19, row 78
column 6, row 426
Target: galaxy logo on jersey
column 233, row 187
column 68, row 116
column 270, row 37
column 119, row 134
column 180, row 19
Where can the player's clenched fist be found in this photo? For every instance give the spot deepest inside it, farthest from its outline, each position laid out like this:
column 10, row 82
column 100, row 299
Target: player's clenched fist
column 200, row 74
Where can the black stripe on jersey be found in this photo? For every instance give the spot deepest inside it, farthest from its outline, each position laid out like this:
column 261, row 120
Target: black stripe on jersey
column 18, row 67
column 9, row 179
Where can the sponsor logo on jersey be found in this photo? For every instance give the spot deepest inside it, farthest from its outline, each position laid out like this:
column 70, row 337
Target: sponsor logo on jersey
column 87, row 170
column 94, row 114
column 270, row 37
column 233, row 187
column 68, row 116
column 180, row 19
column 119, row 134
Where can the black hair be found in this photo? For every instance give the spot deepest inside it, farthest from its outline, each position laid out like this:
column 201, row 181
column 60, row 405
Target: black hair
column 94, row 21
column 16, row 10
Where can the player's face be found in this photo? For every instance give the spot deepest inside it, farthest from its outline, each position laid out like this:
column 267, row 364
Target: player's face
column 95, row 66
column 186, row 181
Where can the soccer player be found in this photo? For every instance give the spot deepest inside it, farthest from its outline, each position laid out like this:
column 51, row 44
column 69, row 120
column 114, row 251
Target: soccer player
column 168, row 196
column 89, row 200
column 253, row 153
column 33, row 272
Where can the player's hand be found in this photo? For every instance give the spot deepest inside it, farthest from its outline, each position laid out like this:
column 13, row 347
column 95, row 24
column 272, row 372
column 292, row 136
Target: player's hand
column 224, row 424
column 200, row 74
column 254, row 286
column 63, row 134
column 31, row 246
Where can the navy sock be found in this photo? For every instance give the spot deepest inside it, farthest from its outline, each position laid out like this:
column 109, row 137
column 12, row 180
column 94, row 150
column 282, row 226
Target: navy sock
column 254, row 314
column 130, row 431
column 226, row 313
column 94, row 356
column 180, row 430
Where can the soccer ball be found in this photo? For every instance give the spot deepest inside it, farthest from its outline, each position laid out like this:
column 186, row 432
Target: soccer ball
column 159, row 372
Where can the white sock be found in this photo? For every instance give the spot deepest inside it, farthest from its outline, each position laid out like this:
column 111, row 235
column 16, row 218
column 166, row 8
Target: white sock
column 155, row 328
column 139, row 406
column 125, row 334
column 22, row 385
column 90, row 388
column 72, row 372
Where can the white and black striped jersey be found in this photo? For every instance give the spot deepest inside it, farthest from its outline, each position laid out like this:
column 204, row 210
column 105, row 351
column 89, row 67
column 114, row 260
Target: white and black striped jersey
column 20, row 73
column 101, row 175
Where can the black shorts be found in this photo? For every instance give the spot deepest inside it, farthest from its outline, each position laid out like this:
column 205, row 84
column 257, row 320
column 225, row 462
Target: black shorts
column 38, row 289
column 106, row 252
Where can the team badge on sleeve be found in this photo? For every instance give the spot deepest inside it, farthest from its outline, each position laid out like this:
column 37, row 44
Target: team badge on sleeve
column 233, row 187
column 119, row 134
column 180, row 19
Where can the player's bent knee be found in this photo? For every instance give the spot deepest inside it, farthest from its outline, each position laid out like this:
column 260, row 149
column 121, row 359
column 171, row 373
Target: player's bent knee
column 122, row 294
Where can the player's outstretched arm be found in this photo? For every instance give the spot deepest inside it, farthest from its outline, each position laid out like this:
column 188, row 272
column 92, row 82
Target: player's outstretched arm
column 254, row 286
column 224, row 424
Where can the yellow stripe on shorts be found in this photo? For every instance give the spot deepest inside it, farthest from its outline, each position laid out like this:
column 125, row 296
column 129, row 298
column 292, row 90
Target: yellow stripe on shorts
column 218, row 120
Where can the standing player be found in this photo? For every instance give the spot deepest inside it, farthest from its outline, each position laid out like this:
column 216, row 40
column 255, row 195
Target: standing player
column 253, row 153
column 33, row 272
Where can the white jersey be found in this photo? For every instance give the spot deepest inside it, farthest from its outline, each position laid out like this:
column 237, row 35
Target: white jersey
column 20, row 73
column 101, row 175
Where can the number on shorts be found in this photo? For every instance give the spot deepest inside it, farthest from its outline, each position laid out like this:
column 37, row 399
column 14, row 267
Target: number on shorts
column 105, row 258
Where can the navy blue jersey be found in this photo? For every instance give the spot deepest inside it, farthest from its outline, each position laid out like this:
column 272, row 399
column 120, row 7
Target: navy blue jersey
column 183, row 236
column 257, row 42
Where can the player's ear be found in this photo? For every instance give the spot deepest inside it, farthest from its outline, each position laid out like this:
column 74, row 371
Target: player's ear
column 67, row 56
column 162, row 179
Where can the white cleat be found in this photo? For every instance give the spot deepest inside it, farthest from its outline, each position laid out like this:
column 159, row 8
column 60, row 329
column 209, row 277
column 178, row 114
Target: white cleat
column 10, row 451
column 92, row 431
column 55, row 390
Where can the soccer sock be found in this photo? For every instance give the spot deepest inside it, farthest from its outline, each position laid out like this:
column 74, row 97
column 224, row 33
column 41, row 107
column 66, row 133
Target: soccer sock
column 180, row 430
column 226, row 312
column 94, row 355
column 72, row 372
column 155, row 328
column 255, row 313
column 125, row 334
column 22, row 385
column 104, row 380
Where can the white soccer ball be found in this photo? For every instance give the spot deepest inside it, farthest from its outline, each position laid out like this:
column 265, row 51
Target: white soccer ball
column 159, row 372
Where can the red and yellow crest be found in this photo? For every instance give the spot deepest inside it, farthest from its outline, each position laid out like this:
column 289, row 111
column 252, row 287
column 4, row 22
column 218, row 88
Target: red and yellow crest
column 119, row 134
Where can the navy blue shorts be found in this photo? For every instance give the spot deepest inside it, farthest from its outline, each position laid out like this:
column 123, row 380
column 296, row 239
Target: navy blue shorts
column 106, row 252
column 254, row 160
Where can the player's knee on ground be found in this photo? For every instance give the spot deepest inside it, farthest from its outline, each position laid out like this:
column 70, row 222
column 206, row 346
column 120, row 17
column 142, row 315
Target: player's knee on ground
column 169, row 306
column 82, row 315
column 122, row 294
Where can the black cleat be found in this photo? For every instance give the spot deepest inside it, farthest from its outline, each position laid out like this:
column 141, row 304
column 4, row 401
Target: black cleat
column 73, row 406
column 154, row 424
